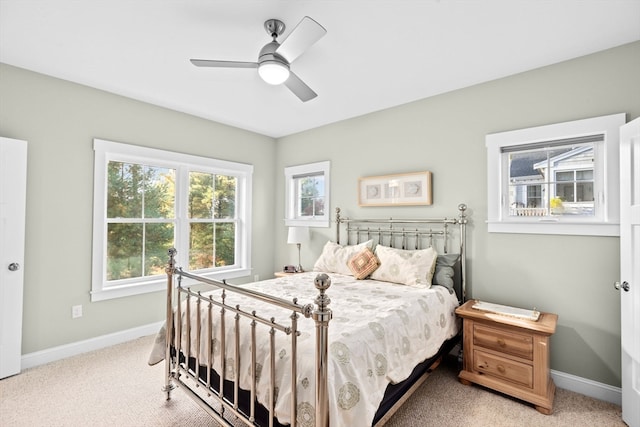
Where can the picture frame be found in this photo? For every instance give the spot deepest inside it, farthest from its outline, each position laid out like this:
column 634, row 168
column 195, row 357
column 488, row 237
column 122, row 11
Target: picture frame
column 406, row 189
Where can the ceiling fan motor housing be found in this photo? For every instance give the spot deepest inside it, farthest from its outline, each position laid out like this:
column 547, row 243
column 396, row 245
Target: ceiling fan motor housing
column 268, row 53
column 273, row 68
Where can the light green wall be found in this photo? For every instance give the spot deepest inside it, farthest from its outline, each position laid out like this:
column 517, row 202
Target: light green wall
column 569, row 275
column 59, row 120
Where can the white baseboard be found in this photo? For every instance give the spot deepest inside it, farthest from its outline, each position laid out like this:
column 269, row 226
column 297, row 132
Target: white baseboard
column 587, row 387
column 37, row 358
column 563, row 380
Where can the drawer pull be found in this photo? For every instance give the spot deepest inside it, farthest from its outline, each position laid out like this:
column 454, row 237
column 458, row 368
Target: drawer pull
column 501, row 369
column 501, row 342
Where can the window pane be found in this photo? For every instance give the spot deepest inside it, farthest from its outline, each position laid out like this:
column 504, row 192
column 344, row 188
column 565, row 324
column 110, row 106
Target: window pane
column 565, row 192
column 225, row 197
column 201, row 246
column 584, row 192
column 306, row 207
column 124, row 190
column 312, row 186
column 159, row 239
column 584, row 175
column 311, row 196
column 535, row 170
column 200, row 195
column 319, row 206
column 564, row 176
column 159, row 192
column 225, row 244
column 124, row 251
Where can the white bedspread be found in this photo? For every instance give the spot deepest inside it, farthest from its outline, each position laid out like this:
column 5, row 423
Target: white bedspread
column 379, row 332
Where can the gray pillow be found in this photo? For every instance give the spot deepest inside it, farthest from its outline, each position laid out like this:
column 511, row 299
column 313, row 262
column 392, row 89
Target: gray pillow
column 445, row 274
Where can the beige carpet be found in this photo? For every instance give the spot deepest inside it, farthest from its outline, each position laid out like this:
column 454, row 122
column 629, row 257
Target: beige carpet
column 116, row 387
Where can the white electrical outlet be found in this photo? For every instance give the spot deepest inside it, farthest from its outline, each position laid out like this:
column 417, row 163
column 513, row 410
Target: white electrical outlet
column 256, row 278
column 76, row 311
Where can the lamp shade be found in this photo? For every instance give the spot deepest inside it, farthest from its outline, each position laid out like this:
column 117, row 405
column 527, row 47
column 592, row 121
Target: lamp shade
column 298, row 235
column 273, row 72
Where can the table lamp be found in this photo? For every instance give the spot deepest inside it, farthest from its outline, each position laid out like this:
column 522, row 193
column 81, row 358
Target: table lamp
column 298, row 235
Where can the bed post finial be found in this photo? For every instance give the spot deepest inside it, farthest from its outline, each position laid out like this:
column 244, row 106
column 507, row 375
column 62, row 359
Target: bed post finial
column 172, row 260
column 322, row 315
column 322, row 282
column 462, row 207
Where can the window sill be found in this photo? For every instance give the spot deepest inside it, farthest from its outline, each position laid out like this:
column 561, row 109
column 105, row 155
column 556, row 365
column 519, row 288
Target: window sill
column 553, row 227
column 130, row 289
column 306, row 222
column 139, row 288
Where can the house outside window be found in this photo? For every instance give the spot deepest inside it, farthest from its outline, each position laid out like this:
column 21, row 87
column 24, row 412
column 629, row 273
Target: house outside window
column 555, row 179
column 147, row 201
column 307, row 195
column 550, row 181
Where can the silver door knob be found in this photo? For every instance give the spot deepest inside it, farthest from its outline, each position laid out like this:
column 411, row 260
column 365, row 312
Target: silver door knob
column 14, row 266
column 624, row 286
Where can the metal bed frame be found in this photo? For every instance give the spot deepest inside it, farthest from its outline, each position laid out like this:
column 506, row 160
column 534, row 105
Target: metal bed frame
column 409, row 234
column 212, row 391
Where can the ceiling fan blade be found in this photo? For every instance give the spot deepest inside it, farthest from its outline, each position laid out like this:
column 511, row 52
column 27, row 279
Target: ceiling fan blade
column 306, row 33
column 299, row 88
column 223, row 64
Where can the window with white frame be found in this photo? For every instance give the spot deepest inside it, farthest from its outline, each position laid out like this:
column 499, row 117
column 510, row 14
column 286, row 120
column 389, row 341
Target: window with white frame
column 555, row 179
column 307, row 195
column 147, row 201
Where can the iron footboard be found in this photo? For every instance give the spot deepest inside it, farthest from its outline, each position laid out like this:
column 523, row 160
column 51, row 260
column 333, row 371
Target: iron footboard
column 195, row 373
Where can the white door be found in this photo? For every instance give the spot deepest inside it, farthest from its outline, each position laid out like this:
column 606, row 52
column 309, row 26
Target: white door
column 629, row 284
column 13, row 189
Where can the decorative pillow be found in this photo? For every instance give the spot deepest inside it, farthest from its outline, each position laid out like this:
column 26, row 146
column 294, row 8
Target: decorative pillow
column 363, row 263
column 445, row 273
column 334, row 257
column 413, row 268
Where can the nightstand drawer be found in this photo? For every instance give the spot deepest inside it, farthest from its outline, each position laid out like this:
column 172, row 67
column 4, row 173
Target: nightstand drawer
column 497, row 366
column 520, row 345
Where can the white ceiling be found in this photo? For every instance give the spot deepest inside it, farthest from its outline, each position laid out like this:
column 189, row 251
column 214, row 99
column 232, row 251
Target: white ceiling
column 376, row 54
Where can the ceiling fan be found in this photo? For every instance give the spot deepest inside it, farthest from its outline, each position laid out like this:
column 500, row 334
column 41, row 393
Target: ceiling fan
column 275, row 58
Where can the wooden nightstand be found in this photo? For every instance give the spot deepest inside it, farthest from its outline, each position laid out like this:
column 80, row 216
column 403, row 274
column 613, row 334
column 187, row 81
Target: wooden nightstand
column 283, row 274
column 508, row 354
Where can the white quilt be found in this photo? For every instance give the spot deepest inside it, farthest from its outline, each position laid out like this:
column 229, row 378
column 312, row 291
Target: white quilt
column 379, row 332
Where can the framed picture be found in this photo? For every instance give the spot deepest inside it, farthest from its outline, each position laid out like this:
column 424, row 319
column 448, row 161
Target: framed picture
column 408, row 189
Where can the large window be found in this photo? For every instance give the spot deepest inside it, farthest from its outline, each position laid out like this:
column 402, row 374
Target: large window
column 307, row 195
column 147, row 201
column 556, row 179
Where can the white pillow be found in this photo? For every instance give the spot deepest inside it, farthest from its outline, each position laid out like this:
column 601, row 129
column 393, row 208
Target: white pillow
column 412, row 268
column 334, row 257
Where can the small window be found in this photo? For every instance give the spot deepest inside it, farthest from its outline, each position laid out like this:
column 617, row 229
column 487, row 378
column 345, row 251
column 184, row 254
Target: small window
column 556, row 179
column 147, row 201
column 552, row 178
column 307, row 195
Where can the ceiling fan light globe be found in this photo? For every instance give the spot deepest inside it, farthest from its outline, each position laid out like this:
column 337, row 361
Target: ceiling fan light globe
column 273, row 72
